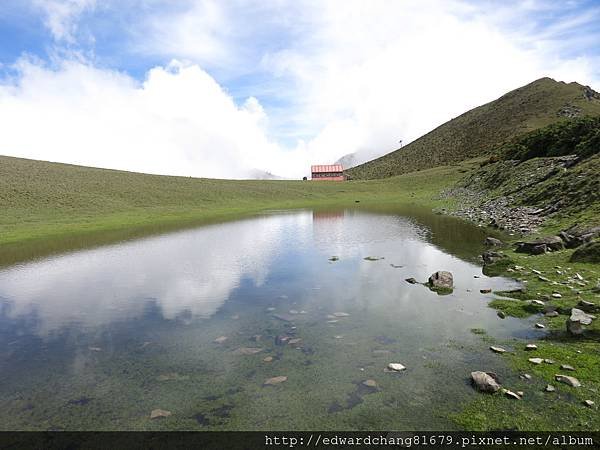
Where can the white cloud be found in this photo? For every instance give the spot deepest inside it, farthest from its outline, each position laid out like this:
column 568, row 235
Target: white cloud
column 178, row 121
column 61, row 16
column 395, row 70
column 316, row 81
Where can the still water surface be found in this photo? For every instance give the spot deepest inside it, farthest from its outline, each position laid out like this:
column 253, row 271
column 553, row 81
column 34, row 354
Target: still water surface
column 97, row 339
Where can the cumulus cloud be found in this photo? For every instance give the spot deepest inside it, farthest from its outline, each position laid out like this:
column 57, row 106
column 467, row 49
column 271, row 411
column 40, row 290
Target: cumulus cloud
column 276, row 86
column 178, row 121
column 395, row 70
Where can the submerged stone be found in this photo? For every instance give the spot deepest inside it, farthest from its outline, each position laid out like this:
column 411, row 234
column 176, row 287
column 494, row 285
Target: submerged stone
column 396, row 367
column 158, row 413
column 510, row 394
column 247, row 351
column 275, row 380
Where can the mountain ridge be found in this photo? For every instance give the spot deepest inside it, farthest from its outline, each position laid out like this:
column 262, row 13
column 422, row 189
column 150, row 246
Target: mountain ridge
column 478, row 131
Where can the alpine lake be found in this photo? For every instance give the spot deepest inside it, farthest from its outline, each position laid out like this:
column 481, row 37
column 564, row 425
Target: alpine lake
column 283, row 320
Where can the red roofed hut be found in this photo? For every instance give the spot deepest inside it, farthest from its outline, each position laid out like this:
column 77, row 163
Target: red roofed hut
column 334, row 172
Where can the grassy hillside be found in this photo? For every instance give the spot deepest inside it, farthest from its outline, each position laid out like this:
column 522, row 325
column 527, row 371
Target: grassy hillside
column 555, row 169
column 44, row 204
column 477, row 132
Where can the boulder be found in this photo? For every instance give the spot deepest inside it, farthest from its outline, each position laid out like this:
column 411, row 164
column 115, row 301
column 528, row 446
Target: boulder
column 411, row 280
column 493, row 242
column 589, row 253
column 495, row 263
column 575, row 237
column 441, row 280
column 588, row 306
column 571, row 381
column 485, row 381
column 490, row 257
column 541, row 245
column 577, row 321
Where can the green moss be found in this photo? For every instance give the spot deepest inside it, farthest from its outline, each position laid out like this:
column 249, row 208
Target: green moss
column 478, row 331
column 514, row 308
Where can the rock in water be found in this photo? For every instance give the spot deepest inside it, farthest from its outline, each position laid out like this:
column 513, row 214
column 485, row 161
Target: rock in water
column 411, row 280
column 511, row 394
column 497, row 349
column 588, row 403
column 441, row 280
column 158, row 413
column 576, row 321
column 275, row 380
column 220, row 339
column 567, row 367
column 485, row 381
column 571, row 381
column 530, row 347
column 247, row 351
column 370, row 383
column 550, row 388
column 485, row 291
column 396, row 367
column 536, row 360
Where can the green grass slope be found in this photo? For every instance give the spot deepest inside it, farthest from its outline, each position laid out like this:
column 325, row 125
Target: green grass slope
column 477, row 132
column 44, row 203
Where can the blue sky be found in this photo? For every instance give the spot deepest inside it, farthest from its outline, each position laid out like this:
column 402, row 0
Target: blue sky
column 215, row 88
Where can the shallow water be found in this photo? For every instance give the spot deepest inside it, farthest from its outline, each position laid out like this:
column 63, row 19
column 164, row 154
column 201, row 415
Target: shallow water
column 97, row 339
